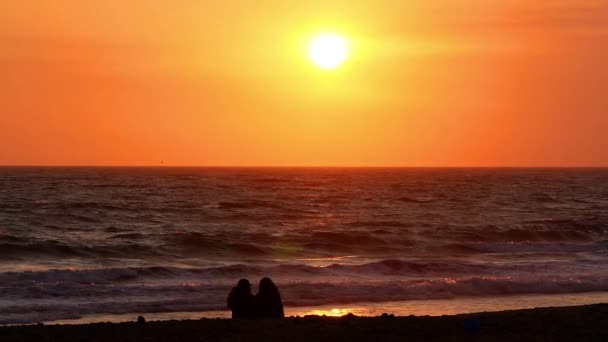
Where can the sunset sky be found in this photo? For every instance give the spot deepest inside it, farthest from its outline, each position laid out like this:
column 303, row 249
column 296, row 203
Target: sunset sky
column 194, row 82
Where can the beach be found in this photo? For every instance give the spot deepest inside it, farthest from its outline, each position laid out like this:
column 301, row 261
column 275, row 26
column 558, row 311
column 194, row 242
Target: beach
column 580, row 323
column 361, row 170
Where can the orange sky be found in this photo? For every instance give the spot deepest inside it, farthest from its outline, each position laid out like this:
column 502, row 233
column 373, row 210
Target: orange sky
column 194, row 82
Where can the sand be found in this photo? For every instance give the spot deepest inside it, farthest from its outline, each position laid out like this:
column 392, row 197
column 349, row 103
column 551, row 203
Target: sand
column 580, row 323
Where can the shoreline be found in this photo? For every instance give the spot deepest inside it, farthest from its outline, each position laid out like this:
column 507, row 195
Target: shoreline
column 429, row 307
column 580, row 323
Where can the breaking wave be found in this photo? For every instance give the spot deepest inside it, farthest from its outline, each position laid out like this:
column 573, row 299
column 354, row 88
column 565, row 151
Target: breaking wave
column 64, row 300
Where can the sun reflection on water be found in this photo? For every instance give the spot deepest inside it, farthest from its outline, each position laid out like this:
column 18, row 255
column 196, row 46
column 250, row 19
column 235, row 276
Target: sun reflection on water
column 335, row 312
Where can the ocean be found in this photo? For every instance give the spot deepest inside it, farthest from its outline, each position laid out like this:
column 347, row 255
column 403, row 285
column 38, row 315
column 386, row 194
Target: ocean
column 96, row 242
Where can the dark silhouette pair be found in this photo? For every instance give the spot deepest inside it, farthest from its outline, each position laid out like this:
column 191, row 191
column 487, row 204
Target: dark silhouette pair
column 266, row 304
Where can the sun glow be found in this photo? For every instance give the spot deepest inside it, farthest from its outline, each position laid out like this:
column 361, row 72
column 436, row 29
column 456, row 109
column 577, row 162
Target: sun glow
column 328, row 51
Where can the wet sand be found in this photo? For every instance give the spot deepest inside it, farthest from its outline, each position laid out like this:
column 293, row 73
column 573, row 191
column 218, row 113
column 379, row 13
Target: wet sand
column 580, row 323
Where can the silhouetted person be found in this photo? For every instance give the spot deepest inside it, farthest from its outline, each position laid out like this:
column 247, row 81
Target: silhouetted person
column 240, row 300
column 268, row 303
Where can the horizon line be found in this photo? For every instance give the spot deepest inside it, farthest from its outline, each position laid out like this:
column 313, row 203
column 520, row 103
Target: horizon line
column 313, row 166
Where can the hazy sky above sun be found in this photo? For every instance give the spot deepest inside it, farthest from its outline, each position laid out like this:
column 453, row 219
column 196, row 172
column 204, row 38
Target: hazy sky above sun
column 194, row 82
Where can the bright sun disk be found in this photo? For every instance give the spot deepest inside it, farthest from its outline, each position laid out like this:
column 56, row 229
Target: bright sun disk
column 328, row 51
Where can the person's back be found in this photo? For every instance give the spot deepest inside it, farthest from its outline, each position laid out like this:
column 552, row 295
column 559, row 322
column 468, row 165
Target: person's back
column 268, row 303
column 240, row 300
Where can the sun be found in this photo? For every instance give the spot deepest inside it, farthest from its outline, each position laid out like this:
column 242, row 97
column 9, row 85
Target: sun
column 328, row 51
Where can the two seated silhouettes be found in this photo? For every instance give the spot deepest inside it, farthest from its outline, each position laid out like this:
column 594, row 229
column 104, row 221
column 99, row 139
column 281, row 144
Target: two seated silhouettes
column 266, row 304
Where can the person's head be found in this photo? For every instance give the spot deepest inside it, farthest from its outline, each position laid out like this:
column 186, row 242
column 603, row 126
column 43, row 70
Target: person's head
column 267, row 286
column 244, row 285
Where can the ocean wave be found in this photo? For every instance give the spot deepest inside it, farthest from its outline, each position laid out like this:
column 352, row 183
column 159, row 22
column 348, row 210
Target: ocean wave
column 379, row 223
column 511, row 247
column 544, row 198
column 68, row 300
column 183, row 244
column 248, row 205
column 62, row 250
column 415, row 200
column 270, row 180
column 372, row 270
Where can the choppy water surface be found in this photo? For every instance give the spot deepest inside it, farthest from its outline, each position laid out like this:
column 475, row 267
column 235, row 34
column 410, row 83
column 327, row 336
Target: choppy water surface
column 90, row 241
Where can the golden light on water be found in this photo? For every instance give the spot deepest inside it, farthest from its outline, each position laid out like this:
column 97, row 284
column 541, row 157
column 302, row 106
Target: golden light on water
column 335, row 312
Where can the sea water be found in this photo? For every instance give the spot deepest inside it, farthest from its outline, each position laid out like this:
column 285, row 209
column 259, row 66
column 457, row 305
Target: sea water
column 77, row 243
